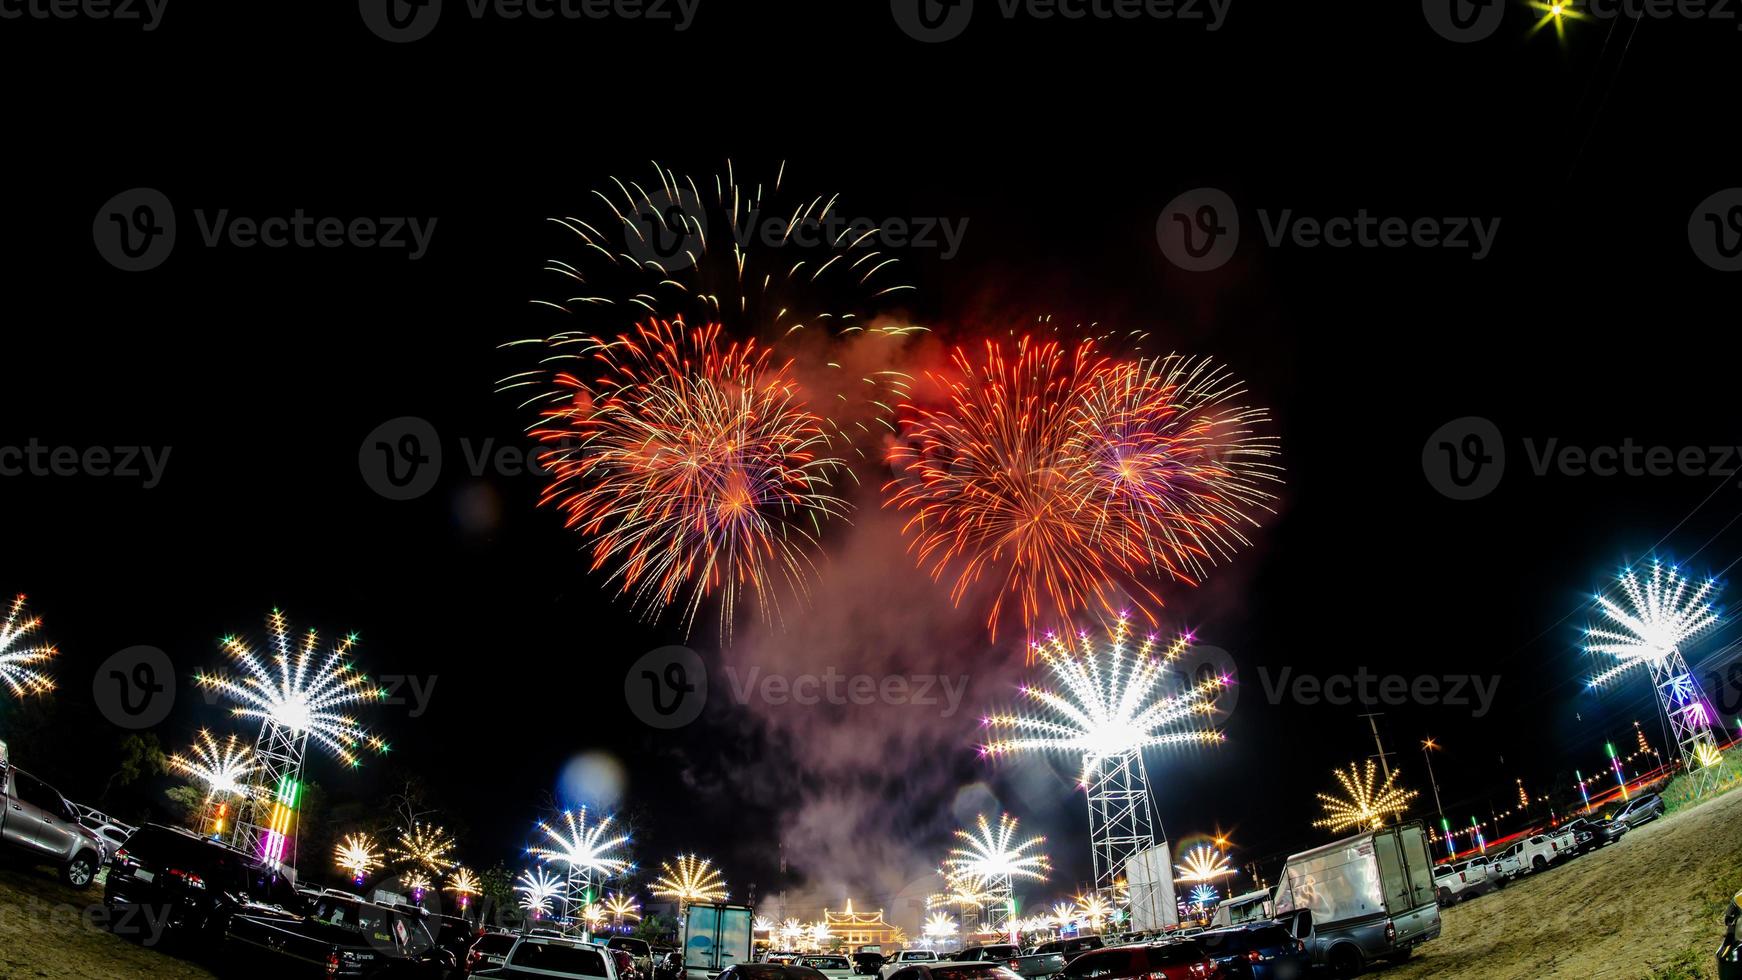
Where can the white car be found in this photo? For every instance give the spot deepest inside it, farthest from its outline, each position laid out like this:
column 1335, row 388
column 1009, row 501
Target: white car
column 1449, row 884
column 1482, row 871
column 554, row 956
column 906, row 958
column 831, row 965
column 1534, row 853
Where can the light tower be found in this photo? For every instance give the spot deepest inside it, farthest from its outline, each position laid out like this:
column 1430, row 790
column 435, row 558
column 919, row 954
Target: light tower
column 294, row 695
column 1660, row 614
column 582, row 851
column 1108, row 709
column 991, row 859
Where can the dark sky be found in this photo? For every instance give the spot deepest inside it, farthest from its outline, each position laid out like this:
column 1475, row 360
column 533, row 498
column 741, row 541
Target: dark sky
column 1591, row 322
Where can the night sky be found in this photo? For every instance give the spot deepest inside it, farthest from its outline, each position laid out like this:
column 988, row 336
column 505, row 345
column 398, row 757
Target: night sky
column 1591, row 321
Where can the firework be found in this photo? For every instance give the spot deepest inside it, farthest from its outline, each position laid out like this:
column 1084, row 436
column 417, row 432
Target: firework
column 1076, row 481
column 582, row 849
column 1063, row 914
column 356, row 854
column 1363, row 805
column 17, row 661
column 1107, row 706
column 425, row 847
column 690, row 466
column 464, row 884
column 689, row 880
column 819, row 934
column 1093, row 909
column 1661, row 613
column 298, row 689
column 624, row 908
column 224, row 767
column 416, row 882
column 594, row 915
column 1203, row 863
column 986, row 855
column 940, row 926
column 537, row 887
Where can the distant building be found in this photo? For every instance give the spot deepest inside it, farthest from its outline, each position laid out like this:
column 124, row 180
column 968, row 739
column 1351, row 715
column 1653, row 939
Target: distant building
column 850, row 928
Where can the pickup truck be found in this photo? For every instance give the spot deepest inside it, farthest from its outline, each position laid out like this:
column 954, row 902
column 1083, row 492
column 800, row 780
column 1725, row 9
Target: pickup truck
column 547, row 957
column 1034, row 965
column 905, row 958
column 339, row 937
column 38, row 822
column 1534, row 853
column 1364, row 898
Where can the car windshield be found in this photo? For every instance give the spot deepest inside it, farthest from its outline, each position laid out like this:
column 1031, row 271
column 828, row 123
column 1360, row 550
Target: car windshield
column 634, row 947
column 1000, row 952
column 558, row 958
column 495, row 944
column 827, row 962
column 375, row 924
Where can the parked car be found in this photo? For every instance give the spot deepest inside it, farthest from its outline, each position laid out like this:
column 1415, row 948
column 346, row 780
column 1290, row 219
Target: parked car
column 1243, row 908
column 831, row 965
column 1730, row 951
column 1258, row 950
column 1533, row 853
column 954, row 970
column 1595, row 832
column 868, row 959
column 1450, row 884
column 640, row 952
column 555, row 956
column 1178, row 959
column 1482, row 871
column 37, row 822
column 338, row 937
column 906, row 957
column 1070, row 947
column 1366, row 897
column 1641, row 809
column 668, row 966
column 491, row 951
column 1036, row 965
column 193, row 883
column 113, row 832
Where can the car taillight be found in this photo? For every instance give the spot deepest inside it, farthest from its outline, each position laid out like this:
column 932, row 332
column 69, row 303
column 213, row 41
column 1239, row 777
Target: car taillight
column 1390, row 931
column 1462, row 878
column 1013, row 964
column 333, row 963
column 188, row 877
column 121, row 855
column 1254, row 956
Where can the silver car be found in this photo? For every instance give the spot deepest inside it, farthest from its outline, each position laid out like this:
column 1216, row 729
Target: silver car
column 37, row 820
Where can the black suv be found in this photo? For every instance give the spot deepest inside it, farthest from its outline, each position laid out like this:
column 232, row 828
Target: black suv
column 167, row 879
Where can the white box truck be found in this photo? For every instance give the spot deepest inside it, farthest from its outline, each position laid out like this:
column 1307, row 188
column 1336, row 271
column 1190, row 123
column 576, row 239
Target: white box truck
column 1363, row 898
column 714, row 938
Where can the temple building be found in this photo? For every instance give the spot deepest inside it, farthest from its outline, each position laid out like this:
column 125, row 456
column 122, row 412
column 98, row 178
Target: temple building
column 850, row 928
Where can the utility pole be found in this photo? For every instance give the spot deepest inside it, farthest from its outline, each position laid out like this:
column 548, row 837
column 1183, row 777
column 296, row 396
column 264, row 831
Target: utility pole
column 1384, row 756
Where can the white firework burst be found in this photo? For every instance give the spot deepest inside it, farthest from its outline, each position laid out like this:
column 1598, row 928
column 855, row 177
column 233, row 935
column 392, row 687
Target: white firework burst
column 991, row 855
column 17, row 661
column 299, row 688
column 1660, row 613
column 1110, row 705
column 537, row 888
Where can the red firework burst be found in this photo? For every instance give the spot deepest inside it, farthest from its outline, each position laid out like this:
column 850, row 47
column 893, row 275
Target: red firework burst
column 689, row 464
column 1077, row 480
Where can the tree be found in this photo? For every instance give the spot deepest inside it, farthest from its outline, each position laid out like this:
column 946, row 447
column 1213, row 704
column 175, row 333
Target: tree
column 141, row 756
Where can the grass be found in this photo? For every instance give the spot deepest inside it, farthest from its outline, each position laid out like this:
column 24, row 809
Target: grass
column 1679, row 794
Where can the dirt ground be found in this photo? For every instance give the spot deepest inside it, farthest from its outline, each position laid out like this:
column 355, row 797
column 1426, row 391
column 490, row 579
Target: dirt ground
column 1649, row 905
column 50, row 930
